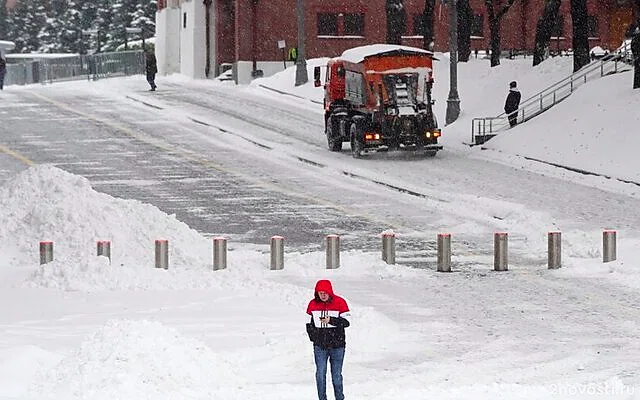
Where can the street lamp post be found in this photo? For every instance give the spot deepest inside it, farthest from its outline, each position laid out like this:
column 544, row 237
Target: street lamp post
column 453, row 102
column 301, row 63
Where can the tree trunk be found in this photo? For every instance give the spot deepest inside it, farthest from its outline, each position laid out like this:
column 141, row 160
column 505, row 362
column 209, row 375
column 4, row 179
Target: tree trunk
column 495, row 20
column 464, row 30
column 427, row 24
column 543, row 30
column 395, row 21
column 579, row 17
column 635, row 50
column 494, row 29
column 4, row 29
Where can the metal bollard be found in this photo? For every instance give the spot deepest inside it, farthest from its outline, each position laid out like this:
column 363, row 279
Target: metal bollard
column 162, row 253
column 500, row 252
column 277, row 252
column 444, row 252
column 608, row 246
column 389, row 247
column 219, row 253
column 333, row 251
column 104, row 248
column 46, row 252
column 554, row 240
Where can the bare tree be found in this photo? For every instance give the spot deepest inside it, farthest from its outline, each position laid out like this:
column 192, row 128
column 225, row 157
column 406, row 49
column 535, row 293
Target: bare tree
column 544, row 28
column 4, row 29
column 427, row 23
column 579, row 17
column 635, row 47
column 396, row 21
column 465, row 15
column 635, row 50
column 496, row 9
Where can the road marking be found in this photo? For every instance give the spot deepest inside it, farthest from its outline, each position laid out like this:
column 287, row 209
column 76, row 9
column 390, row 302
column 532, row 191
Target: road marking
column 194, row 157
column 16, row 155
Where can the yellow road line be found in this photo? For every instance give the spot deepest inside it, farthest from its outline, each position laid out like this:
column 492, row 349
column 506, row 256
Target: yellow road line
column 192, row 156
column 16, row 155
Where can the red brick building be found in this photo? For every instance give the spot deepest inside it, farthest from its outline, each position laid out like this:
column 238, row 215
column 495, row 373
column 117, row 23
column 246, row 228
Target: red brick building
column 251, row 29
column 197, row 38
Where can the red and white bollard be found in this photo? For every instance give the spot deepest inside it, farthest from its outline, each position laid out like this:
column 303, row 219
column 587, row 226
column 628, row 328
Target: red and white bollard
column 219, row 253
column 389, row 247
column 500, row 251
column 609, row 246
column 104, row 248
column 333, row 251
column 277, row 252
column 162, row 253
column 554, row 246
column 444, row 252
column 46, row 252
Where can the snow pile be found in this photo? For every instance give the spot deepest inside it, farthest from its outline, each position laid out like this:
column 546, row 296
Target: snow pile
column 47, row 203
column 20, row 364
column 358, row 54
column 128, row 359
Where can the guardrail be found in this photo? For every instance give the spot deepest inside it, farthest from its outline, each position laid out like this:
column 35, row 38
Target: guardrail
column 91, row 67
column 484, row 128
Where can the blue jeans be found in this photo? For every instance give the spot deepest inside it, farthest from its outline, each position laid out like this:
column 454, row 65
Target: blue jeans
column 336, row 357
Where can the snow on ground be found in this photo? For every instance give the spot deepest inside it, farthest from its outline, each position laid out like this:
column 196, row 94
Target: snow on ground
column 83, row 327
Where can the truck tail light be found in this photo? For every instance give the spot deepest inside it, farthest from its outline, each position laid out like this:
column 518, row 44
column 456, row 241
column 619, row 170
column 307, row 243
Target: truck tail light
column 371, row 136
column 436, row 133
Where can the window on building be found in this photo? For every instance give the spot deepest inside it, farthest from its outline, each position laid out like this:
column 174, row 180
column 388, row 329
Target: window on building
column 327, row 24
column 558, row 28
column 418, row 25
column 354, row 24
column 477, row 25
column 592, row 26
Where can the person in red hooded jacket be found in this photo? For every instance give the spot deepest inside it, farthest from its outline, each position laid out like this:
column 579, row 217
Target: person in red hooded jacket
column 329, row 316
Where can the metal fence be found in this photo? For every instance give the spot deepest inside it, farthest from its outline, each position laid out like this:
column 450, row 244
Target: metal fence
column 484, row 128
column 91, row 67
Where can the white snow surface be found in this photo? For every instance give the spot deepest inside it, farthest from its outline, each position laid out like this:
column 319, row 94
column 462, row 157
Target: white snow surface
column 357, row 54
column 82, row 327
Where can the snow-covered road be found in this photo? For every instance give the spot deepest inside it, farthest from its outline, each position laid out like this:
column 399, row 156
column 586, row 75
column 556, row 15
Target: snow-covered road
column 243, row 163
column 277, row 148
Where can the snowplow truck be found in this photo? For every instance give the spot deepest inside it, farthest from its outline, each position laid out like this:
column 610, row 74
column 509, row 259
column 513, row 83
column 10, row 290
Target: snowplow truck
column 378, row 98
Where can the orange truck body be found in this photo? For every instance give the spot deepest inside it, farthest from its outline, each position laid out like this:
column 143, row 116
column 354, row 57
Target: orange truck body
column 378, row 98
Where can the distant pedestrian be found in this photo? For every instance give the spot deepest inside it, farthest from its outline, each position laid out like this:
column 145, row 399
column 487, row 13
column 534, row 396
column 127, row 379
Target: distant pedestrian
column 152, row 69
column 512, row 103
column 329, row 316
column 3, row 71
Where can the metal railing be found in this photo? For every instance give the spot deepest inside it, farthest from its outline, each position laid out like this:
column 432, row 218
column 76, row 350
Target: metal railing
column 484, row 128
column 91, row 67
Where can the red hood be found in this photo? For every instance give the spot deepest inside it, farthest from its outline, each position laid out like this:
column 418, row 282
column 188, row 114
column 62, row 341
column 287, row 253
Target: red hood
column 324, row 285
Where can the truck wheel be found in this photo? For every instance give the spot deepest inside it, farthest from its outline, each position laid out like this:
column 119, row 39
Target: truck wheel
column 334, row 143
column 357, row 146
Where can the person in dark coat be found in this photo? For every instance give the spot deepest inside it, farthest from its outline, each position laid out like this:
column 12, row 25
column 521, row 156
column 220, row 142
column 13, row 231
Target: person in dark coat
column 329, row 316
column 512, row 103
column 152, row 69
column 3, row 71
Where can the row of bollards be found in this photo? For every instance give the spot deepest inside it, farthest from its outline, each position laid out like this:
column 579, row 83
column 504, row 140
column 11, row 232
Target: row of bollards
column 501, row 261
column 162, row 252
